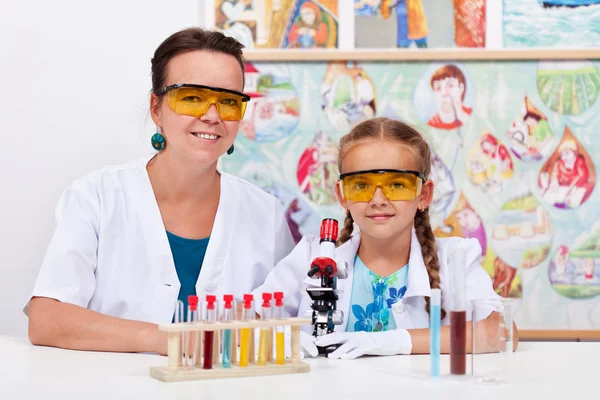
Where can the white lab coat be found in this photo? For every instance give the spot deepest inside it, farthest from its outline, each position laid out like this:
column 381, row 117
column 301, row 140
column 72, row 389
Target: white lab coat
column 290, row 276
column 110, row 252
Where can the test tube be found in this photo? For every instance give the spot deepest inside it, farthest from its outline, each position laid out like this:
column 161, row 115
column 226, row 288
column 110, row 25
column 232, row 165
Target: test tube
column 175, row 339
column 263, row 344
column 247, row 334
column 192, row 342
column 458, row 317
column 227, row 316
column 211, row 314
column 279, row 334
column 434, row 330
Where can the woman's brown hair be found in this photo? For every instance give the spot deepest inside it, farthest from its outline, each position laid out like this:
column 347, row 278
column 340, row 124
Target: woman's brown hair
column 187, row 40
column 388, row 129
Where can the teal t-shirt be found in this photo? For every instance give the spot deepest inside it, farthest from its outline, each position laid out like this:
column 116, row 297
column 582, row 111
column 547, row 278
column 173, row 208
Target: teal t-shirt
column 373, row 297
column 188, row 255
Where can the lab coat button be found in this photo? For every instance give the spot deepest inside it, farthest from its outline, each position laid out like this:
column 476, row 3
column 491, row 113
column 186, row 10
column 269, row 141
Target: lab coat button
column 210, row 287
column 399, row 307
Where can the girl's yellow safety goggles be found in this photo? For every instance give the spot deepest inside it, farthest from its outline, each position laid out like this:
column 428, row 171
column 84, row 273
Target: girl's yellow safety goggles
column 396, row 184
column 194, row 100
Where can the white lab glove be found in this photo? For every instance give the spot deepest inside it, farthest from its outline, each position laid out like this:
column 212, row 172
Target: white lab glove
column 356, row 344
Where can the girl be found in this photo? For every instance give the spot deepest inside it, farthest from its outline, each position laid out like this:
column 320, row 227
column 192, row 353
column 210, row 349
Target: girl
column 393, row 258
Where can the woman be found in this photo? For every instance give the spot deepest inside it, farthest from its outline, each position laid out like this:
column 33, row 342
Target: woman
column 132, row 239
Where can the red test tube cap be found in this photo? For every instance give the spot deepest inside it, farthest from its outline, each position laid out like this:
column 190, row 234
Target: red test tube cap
column 210, row 301
column 248, row 299
column 278, row 298
column 193, row 302
column 267, row 299
column 228, row 299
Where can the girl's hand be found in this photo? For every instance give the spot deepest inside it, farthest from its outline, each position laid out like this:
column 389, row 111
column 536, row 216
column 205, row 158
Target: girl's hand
column 490, row 335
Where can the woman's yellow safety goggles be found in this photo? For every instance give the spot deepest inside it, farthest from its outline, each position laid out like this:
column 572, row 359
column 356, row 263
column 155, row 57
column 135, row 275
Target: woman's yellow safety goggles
column 396, row 184
column 194, row 100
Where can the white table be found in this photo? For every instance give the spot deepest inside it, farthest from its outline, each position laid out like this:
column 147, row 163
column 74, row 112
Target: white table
column 543, row 371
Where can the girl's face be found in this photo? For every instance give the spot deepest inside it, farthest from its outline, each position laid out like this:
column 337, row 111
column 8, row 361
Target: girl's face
column 381, row 218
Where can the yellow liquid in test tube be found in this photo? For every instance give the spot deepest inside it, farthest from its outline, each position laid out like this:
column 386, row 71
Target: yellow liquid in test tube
column 280, row 348
column 263, row 347
column 244, row 347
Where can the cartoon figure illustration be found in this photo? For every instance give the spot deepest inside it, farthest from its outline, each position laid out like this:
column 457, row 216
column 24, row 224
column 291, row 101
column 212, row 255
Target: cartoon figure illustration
column 317, row 170
column 530, row 133
column 490, row 165
column 449, row 87
column 567, row 181
column 561, row 268
column 310, row 30
column 347, row 95
column 589, row 265
column 464, row 222
column 231, row 26
column 503, row 277
column 412, row 23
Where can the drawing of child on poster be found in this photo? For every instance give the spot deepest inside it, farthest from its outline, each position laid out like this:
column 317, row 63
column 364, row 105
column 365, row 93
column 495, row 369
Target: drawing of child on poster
column 411, row 21
column 568, row 177
column 347, row 95
column 489, row 166
column 443, row 98
column 313, row 28
column 530, row 134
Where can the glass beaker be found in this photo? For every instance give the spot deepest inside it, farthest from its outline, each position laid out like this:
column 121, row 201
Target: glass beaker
column 492, row 340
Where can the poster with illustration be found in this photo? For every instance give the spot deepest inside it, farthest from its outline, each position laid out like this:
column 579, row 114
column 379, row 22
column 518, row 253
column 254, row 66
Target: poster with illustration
column 530, row 135
column 551, row 23
column 490, row 165
column 568, row 177
column 522, row 231
column 297, row 24
column 274, row 111
column 518, row 175
column 568, row 88
column 574, row 271
column 419, row 23
column 347, row 95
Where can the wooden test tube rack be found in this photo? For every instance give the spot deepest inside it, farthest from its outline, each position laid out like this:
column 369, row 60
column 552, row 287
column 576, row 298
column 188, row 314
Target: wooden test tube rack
column 175, row 371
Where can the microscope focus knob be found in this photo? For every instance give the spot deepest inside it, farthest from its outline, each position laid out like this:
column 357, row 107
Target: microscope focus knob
column 337, row 317
column 342, row 269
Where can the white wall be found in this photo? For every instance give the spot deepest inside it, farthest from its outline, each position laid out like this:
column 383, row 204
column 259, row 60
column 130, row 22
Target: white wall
column 74, row 85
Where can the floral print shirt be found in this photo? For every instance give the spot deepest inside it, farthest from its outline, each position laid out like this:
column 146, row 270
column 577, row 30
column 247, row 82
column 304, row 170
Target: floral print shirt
column 373, row 297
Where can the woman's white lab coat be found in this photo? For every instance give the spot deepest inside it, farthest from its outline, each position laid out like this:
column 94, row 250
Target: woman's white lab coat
column 110, row 252
column 290, row 276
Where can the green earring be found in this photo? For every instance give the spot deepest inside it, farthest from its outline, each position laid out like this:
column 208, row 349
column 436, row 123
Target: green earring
column 230, row 150
column 158, row 141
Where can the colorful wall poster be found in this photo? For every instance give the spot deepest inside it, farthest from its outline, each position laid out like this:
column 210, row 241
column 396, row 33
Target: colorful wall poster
column 551, row 23
column 289, row 24
column 419, row 23
column 515, row 158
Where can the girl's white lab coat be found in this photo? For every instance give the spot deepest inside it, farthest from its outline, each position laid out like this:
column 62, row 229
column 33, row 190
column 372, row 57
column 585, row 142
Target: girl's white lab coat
column 110, row 252
column 290, row 276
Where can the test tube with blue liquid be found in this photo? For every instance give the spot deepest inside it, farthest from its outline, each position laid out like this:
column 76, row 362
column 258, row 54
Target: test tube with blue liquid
column 434, row 329
column 227, row 333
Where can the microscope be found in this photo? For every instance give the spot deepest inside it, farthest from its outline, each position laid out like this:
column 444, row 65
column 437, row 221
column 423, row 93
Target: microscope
column 324, row 267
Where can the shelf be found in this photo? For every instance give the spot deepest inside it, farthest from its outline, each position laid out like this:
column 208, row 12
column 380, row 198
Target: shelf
column 280, row 55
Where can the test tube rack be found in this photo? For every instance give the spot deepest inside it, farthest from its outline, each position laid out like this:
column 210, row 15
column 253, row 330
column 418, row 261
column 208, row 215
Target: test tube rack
column 176, row 371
